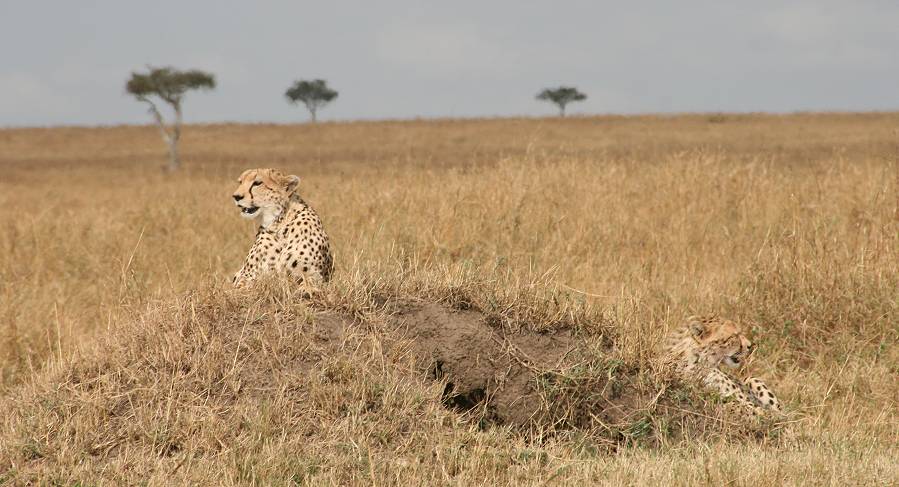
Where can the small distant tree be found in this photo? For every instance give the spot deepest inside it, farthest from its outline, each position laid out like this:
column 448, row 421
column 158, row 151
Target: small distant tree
column 314, row 94
column 169, row 85
column 561, row 96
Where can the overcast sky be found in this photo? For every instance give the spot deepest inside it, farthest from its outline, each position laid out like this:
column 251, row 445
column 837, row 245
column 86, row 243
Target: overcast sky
column 66, row 62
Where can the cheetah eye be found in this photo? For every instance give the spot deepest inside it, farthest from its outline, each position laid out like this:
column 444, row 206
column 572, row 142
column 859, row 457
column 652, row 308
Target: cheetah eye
column 256, row 183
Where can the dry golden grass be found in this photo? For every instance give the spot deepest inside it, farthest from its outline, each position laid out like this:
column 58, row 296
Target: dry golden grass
column 788, row 223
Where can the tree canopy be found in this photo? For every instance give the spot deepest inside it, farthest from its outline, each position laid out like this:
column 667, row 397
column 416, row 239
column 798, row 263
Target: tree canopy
column 312, row 93
column 168, row 83
column 561, row 96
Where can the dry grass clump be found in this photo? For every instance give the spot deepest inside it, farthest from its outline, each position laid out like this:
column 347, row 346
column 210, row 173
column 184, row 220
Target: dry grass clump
column 624, row 224
column 218, row 387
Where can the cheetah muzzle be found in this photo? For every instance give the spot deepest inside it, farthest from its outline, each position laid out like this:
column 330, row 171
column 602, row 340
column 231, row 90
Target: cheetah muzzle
column 248, row 211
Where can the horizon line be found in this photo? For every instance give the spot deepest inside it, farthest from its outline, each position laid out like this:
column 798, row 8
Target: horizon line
column 449, row 118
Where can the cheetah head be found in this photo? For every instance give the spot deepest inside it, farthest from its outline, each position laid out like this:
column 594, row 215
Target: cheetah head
column 721, row 343
column 264, row 193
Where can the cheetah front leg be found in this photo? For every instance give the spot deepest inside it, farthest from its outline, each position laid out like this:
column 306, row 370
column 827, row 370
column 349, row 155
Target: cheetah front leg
column 247, row 273
column 256, row 262
column 727, row 387
column 244, row 276
column 762, row 394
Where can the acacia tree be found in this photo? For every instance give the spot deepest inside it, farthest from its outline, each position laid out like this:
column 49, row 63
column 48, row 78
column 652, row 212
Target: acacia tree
column 314, row 94
column 169, row 85
column 561, row 96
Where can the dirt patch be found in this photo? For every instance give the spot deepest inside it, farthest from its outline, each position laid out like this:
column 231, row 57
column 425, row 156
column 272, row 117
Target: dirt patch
column 506, row 377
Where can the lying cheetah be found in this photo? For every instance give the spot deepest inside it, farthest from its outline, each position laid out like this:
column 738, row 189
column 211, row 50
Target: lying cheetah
column 699, row 348
column 290, row 237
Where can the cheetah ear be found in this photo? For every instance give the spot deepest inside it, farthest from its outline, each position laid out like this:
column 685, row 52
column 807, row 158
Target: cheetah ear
column 696, row 328
column 292, row 183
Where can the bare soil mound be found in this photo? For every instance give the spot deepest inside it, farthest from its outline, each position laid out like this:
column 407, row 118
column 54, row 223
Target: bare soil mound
column 484, row 366
column 217, row 379
column 547, row 380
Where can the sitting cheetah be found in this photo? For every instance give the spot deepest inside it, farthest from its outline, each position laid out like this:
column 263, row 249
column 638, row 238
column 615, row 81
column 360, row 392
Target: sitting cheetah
column 702, row 345
column 290, row 236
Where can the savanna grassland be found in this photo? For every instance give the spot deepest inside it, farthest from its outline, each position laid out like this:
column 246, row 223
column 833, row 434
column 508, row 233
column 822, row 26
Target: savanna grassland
column 125, row 358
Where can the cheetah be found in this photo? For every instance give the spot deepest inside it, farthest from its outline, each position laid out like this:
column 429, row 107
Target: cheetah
column 700, row 347
column 289, row 237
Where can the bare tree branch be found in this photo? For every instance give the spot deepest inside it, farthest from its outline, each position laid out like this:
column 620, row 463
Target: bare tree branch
column 159, row 120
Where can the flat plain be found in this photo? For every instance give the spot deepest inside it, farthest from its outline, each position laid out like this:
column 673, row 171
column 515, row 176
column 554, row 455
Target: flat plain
column 125, row 358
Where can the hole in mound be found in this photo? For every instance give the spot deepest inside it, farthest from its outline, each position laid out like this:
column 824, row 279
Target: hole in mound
column 463, row 401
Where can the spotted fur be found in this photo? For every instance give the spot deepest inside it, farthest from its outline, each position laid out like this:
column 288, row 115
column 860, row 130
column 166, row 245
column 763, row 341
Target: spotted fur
column 289, row 238
column 698, row 350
